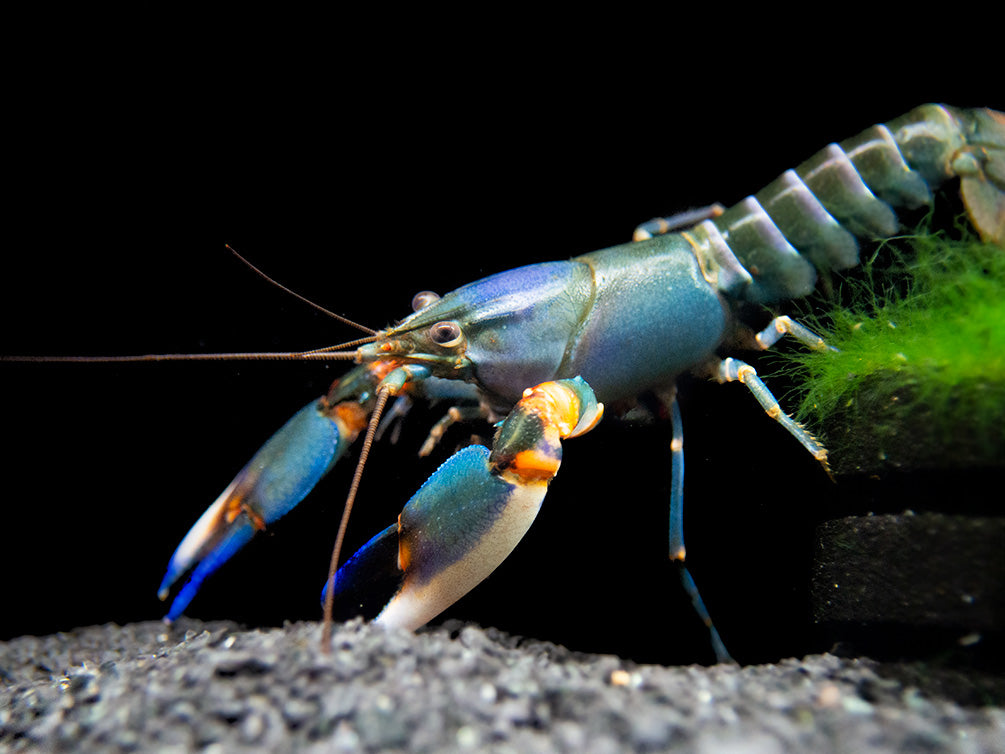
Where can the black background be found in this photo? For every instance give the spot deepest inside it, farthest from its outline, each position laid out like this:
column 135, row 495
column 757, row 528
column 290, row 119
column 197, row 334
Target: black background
column 357, row 194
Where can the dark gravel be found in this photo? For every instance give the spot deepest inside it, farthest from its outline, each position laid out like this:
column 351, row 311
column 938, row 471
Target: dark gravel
column 216, row 687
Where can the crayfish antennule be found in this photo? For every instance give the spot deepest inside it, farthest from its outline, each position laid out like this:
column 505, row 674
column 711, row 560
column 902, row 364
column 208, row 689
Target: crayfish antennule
column 280, row 286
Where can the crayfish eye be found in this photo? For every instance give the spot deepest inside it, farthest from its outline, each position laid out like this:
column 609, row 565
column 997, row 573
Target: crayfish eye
column 446, row 334
column 422, row 299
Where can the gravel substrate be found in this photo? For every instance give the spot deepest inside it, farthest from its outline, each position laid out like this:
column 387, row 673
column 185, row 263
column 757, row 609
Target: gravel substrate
column 219, row 688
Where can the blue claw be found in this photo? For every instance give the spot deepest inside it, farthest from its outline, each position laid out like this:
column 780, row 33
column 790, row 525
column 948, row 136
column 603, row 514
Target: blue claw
column 237, row 535
column 276, row 479
column 452, row 534
column 468, row 516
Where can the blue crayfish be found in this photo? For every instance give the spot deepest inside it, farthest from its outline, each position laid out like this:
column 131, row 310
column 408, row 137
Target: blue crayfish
column 539, row 350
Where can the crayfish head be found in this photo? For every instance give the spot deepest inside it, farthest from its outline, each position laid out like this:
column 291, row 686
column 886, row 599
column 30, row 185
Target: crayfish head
column 440, row 346
column 504, row 332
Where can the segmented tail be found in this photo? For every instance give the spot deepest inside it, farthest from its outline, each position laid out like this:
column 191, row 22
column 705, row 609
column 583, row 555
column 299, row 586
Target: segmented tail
column 768, row 247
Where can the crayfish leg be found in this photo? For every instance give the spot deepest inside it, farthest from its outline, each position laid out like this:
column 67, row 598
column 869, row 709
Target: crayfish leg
column 660, row 225
column 735, row 370
column 784, row 325
column 677, row 549
column 454, row 415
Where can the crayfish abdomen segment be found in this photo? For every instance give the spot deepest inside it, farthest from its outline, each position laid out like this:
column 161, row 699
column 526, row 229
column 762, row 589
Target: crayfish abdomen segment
column 813, row 215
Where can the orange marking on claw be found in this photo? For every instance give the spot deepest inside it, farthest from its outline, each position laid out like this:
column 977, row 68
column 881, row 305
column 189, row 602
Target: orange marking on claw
column 257, row 521
column 233, row 509
column 532, row 464
column 558, row 405
column 404, row 552
column 236, row 506
column 351, row 414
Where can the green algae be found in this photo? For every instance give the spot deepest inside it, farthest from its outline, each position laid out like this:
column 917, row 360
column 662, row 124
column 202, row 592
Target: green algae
column 918, row 379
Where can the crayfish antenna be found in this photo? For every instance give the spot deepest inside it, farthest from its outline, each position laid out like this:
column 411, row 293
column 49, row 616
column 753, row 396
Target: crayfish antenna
column 280, row 286
column 326, row 628
column 327, row 353
column 321, row 354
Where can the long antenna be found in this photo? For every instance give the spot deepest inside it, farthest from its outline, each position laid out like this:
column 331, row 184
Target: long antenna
column 319, row 355
column 371, row 429
column 328, row 353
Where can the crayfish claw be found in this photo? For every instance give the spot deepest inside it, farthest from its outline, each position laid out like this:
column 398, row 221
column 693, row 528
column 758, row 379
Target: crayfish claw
column 276, row 479
column 470, row 514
